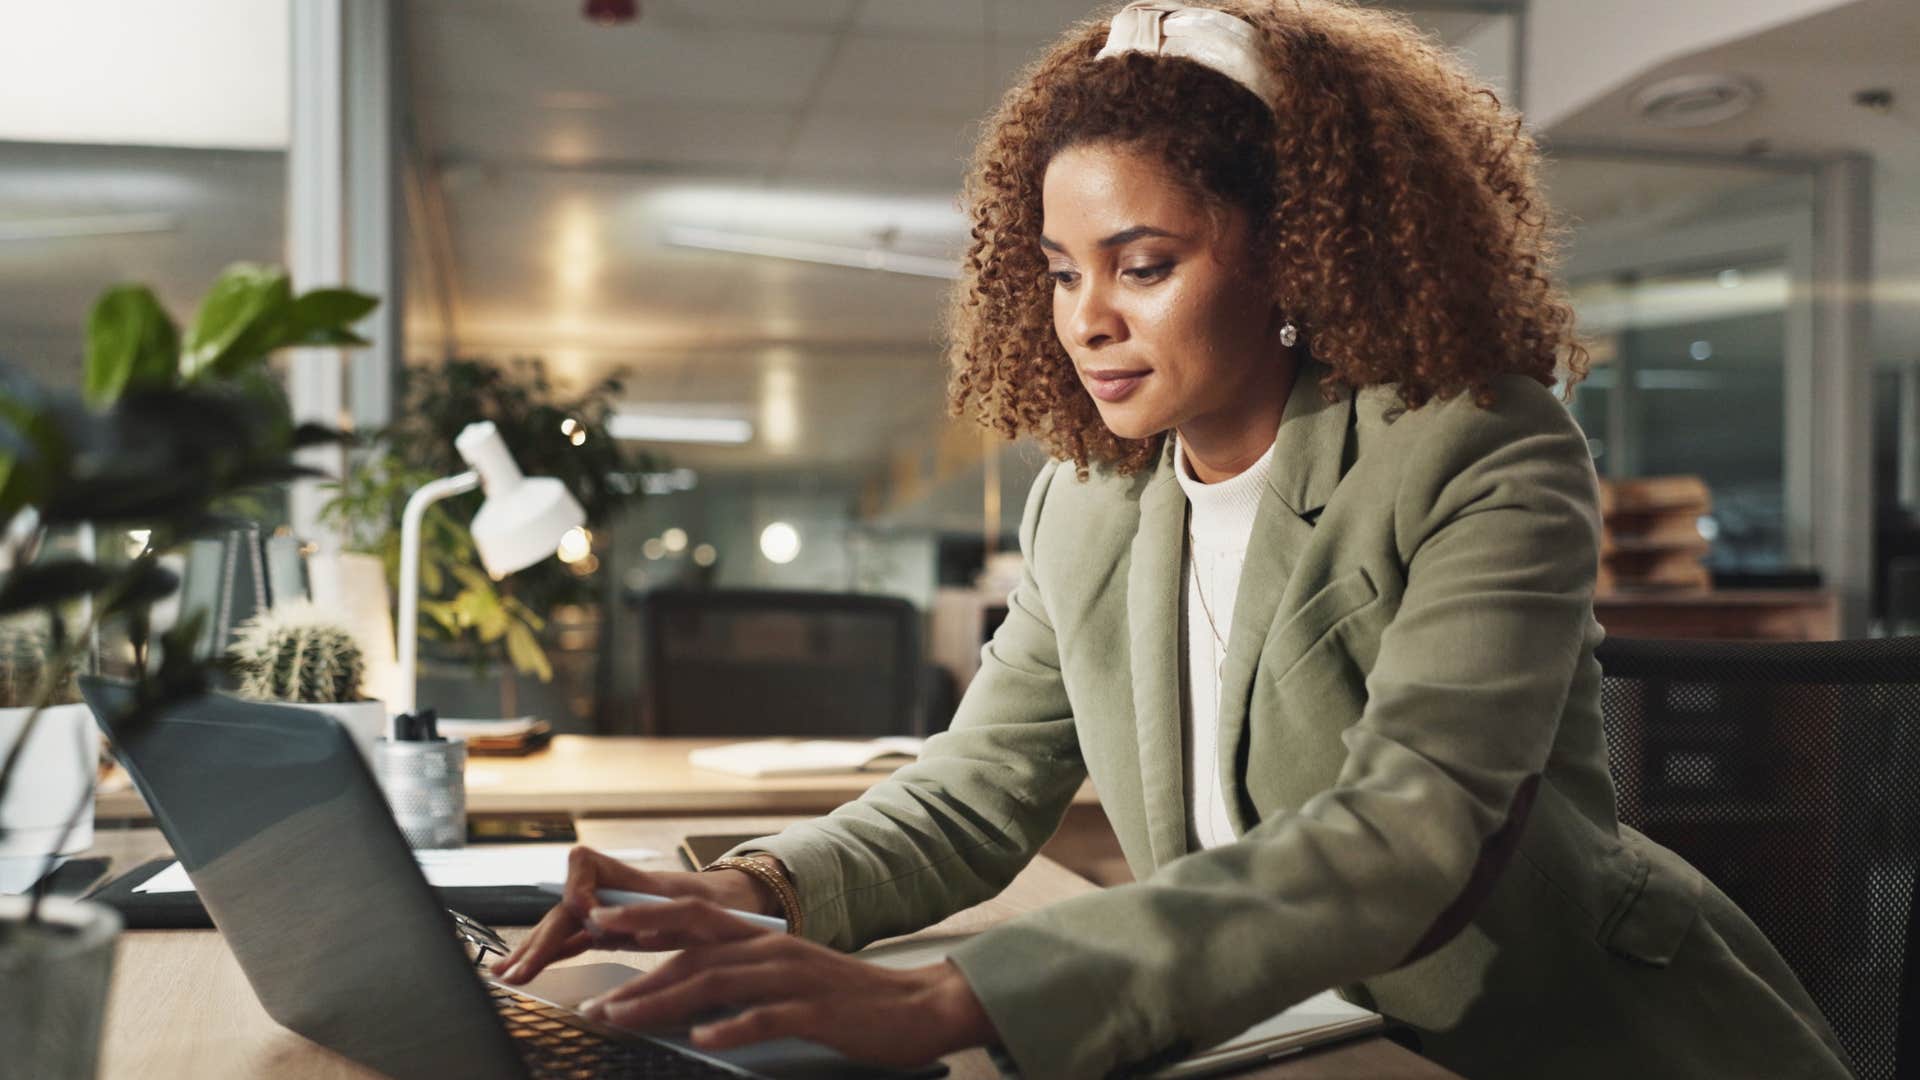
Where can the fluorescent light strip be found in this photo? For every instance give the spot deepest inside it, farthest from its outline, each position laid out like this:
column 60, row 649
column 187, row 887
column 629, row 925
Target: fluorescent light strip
column 69, row 228
column 647, row 427
column 812, row 252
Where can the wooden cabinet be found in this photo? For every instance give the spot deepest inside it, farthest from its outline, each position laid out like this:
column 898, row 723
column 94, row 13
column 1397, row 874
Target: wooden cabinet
column 1742, row 615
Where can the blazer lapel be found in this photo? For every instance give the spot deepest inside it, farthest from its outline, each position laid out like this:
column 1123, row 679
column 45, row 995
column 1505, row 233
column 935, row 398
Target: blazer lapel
column 1311, row 453
column 1153, row 613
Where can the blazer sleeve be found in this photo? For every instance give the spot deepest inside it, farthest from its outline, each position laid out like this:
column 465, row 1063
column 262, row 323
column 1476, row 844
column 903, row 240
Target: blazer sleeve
column 1496, row 523
column 953, row 828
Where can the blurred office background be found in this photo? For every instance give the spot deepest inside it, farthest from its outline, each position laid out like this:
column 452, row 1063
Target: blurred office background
column 746, row 210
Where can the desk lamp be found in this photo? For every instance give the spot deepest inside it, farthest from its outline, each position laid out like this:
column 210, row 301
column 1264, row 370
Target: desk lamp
column 521, row 523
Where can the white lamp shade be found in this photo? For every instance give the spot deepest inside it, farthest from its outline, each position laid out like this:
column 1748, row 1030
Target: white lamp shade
column 520, row 526
column 523, row 519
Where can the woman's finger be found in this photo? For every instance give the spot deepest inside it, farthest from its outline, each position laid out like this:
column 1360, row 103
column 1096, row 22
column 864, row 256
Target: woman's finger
column 557, row 926
column 688, row 921
column 728, row 987
column 683, row 965
column 589, row 870
column 776, row 1020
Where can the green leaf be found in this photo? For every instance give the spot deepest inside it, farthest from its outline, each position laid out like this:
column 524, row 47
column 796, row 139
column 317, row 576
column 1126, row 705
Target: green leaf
column 527, row 655
column 330, row 309
column 328, row 335
column 52, row 582
column 130, row 343
column 244, row 316
column 480, row 609
column 312, row 434
column 146, row 584
column 443, row 615
column 24, row 474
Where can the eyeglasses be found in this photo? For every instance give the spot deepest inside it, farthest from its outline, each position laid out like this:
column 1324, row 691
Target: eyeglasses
column 478, row 937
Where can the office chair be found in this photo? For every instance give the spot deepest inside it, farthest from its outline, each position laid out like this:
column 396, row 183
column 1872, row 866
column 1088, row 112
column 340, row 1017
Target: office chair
column 760, row 662
column 1789, row 774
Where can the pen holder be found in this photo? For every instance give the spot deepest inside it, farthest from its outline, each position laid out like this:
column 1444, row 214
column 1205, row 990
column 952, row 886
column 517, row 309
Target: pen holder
column 426, row 784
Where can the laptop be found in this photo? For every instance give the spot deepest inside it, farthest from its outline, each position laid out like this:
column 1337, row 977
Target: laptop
column 295, row 854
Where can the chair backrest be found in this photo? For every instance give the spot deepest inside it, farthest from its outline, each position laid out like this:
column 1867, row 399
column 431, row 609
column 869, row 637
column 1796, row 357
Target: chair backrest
column 1789, row 773
column 763, row 662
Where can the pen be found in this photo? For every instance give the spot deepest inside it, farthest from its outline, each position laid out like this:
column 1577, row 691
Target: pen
column 620, row 897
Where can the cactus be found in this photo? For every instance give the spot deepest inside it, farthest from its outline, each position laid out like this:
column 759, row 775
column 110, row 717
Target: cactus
column 297, row 652
column 24, row 655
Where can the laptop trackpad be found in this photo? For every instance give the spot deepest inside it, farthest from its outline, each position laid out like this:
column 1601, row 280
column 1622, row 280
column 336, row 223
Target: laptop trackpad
column 792, row 1059
column 567, row 987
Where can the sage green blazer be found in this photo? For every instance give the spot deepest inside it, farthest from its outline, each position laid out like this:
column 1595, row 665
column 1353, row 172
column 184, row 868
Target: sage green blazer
column 1412, row 755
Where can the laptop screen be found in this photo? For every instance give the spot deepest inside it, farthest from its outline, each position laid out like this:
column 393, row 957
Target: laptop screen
column 295, row 854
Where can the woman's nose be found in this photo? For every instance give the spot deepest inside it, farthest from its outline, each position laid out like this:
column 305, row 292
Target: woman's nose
column 1095, row 321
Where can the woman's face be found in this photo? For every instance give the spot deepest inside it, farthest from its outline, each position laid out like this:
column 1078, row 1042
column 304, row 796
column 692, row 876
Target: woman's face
column 1157, row 300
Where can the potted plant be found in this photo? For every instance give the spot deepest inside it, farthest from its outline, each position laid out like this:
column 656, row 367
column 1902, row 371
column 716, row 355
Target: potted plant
column 297, row 652
column 56, row 767
column 170, row 428
column 467, row 619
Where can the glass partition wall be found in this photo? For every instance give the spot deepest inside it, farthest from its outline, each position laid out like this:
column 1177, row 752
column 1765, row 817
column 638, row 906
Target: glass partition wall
column 1692, row 284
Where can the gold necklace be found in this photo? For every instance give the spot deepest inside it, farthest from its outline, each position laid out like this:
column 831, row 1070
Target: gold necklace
column 1219, row 643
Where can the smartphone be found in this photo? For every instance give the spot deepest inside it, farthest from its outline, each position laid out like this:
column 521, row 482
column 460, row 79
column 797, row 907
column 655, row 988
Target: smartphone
column 697, row 851
column 534, row 828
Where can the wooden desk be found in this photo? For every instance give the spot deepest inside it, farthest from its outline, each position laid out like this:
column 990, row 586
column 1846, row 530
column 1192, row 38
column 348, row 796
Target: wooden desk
column 180, row 1007
column 632, row 776
column 626, row 776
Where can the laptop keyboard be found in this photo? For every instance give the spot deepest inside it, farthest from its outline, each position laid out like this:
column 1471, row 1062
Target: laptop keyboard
column 553, row 1046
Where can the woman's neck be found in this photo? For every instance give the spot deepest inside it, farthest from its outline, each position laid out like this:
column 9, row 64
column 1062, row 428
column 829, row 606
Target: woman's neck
column 1224, row 444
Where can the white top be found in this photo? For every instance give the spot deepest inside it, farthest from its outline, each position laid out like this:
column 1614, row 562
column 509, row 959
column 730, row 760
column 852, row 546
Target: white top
column 1220, row 521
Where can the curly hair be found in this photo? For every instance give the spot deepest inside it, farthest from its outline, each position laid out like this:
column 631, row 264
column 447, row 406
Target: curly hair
column 1394, row 206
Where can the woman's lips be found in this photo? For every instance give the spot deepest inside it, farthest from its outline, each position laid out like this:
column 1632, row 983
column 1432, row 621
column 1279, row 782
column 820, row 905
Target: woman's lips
column 1114, row 385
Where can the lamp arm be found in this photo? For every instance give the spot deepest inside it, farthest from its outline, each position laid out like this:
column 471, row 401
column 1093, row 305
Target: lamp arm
column 407, row 633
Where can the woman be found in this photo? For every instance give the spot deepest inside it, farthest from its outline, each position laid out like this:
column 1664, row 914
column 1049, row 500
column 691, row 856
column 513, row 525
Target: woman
column 1308, row 594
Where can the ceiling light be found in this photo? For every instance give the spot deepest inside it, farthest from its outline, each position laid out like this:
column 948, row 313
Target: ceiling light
column 662, row 427
column 675, row 539
column 780, row 543
column 577, row 544
column 1687, row 101
column 859, row 258
column 612, row 12
column 69, row 228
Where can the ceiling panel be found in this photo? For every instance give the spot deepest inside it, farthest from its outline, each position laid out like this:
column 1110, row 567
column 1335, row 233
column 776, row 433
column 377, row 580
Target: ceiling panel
column 666, row 137
column 975, row 18
column 463, row 56
column 947, row 77
column 846, row 149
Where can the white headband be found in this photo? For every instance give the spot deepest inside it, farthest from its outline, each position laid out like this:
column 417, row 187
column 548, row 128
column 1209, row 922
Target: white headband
column 1214, row 38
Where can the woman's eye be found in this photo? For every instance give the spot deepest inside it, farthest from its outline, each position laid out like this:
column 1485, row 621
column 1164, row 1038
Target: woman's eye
column 1064, row 278
column 1148, row 273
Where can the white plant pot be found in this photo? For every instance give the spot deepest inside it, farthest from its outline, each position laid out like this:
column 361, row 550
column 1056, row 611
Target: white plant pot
column 366, row 721
column 54, row 775
column 53, row 987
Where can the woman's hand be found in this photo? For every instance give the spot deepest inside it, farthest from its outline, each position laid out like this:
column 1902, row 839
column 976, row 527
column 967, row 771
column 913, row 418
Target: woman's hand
column 785, row 986
column 566, row 930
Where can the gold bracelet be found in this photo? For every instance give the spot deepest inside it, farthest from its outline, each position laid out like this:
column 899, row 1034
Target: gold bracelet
column 773, row 879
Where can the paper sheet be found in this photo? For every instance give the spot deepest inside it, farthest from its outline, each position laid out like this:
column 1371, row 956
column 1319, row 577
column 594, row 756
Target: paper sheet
column 480, row 865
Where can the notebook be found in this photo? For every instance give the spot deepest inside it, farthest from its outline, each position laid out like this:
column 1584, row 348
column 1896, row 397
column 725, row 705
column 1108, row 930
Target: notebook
column 806, row 757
